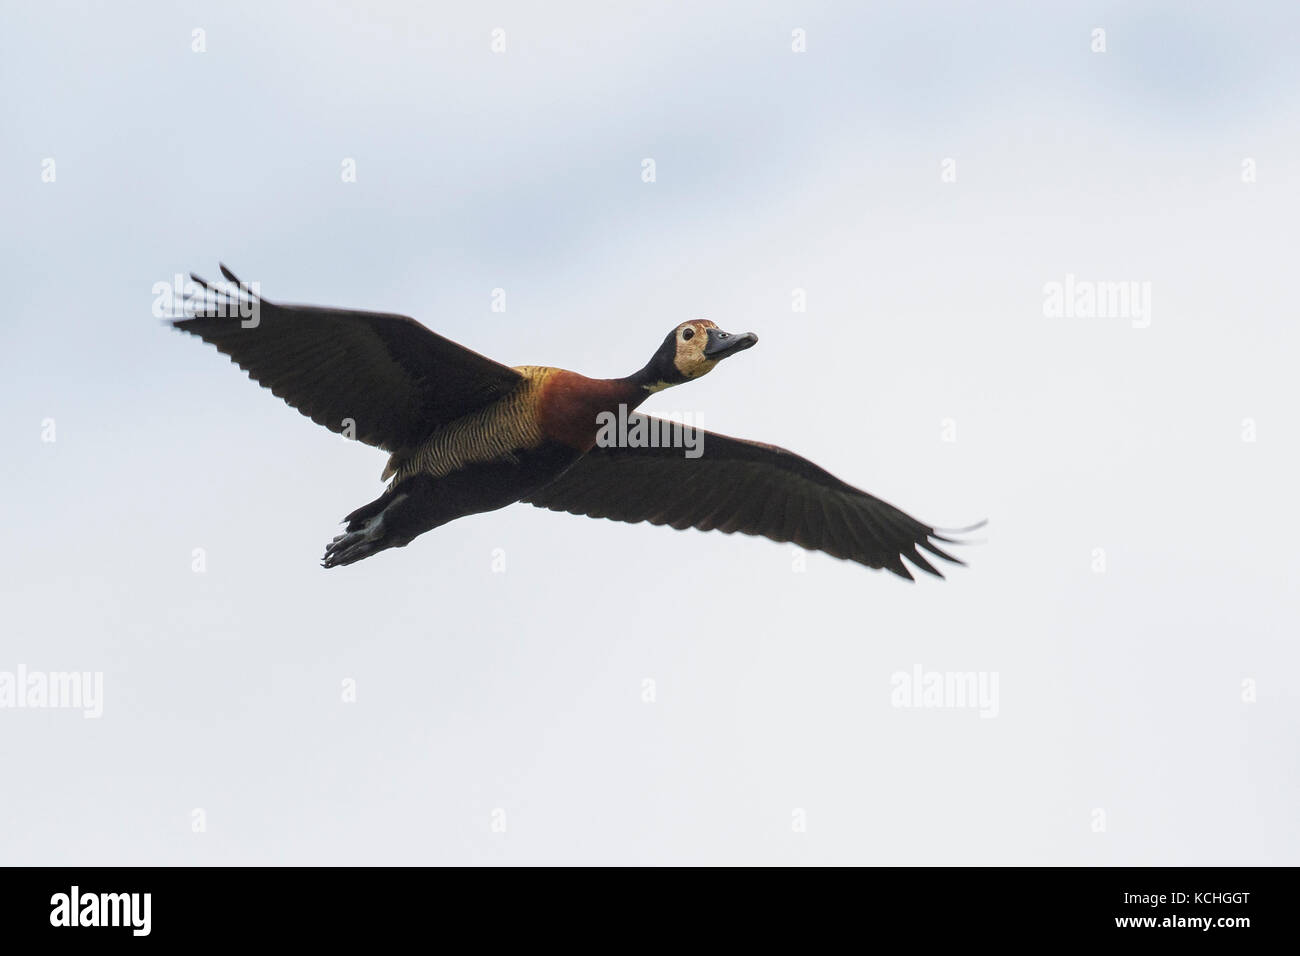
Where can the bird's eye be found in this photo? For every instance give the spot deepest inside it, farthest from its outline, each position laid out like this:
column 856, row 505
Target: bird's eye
column 688, row 334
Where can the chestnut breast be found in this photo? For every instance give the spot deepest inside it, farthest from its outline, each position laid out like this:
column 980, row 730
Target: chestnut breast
column 568, row 404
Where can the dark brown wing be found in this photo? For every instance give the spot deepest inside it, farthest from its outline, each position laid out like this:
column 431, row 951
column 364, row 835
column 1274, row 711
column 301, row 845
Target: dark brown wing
column 737, row 485
column 388, row 375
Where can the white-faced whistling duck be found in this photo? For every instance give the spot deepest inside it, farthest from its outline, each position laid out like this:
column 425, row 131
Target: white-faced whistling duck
column 466, row 435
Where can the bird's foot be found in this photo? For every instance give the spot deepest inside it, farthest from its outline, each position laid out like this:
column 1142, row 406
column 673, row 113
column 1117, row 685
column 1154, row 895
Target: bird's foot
column 352, row 546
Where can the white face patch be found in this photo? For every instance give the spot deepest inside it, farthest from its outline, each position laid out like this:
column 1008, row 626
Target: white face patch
column 690, row 359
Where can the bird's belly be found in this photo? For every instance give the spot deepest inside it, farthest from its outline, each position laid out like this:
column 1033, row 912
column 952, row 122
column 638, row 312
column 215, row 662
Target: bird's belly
column 428, row 501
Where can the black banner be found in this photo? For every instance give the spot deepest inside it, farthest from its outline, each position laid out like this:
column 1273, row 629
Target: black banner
column 1150, row 905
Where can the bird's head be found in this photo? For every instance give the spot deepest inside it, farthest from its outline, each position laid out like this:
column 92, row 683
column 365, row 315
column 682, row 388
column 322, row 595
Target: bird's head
column 690, row 351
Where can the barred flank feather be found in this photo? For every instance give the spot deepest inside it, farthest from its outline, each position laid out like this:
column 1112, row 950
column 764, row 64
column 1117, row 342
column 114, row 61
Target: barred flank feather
column 492, row 434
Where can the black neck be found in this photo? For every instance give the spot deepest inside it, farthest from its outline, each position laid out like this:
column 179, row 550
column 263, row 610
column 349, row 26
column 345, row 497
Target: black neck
column 645, row 380
column 659, row 371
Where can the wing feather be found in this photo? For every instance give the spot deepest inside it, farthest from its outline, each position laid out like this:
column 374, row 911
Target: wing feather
column 749, row 487
column 385, row 377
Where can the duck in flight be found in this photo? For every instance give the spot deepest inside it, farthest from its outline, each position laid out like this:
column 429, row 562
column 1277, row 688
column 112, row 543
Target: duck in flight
column 466, row 435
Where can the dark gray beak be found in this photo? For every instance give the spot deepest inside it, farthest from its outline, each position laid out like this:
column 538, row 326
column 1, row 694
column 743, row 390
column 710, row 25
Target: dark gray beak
column 721, row 344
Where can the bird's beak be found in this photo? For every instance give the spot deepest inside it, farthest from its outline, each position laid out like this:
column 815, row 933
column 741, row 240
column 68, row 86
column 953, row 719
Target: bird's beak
column 721, row 344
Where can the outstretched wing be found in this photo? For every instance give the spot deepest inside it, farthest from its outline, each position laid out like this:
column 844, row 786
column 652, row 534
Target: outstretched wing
column 386, row 376
column 738, row 485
